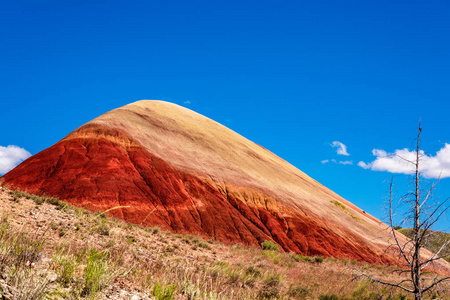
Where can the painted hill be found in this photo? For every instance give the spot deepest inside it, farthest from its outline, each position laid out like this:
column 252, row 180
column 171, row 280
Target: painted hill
column 187, row 173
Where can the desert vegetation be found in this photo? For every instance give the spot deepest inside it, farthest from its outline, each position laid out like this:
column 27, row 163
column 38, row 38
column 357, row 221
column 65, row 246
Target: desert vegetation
column 434, row 241
column 51, row 250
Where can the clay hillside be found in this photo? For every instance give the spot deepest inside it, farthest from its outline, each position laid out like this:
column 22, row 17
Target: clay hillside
column 186, row 173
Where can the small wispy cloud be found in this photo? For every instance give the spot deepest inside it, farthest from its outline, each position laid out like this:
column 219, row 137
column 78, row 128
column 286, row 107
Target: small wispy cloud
column 400, row 162
column 341, row 148
column 345, row 162
column 11, row 156
column 363, row 165
column 187, row 102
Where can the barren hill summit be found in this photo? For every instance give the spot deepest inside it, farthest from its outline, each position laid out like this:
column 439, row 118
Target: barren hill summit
column 177, row 169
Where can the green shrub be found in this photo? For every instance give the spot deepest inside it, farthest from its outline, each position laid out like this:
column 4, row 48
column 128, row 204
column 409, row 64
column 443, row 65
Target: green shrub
column 297, row 292
column 332, row 259
column 318, row 259
column 329, row 297
column 162, row 292
column 268, row 292
column 339, row 204
column 222, row 264
column 54, row 201
column 169, row 249
column 295, row 257
column 102, row 215
column 305, row 258
column 270, row 289
column 233, row 276
column 53, row 226
column 252, row 271
column 204, row 245
column 38, row 200
column 272, row 279
column 95, row 272
column 131, row 239
column 67, row 266
column 102, row 229
column 269, row 245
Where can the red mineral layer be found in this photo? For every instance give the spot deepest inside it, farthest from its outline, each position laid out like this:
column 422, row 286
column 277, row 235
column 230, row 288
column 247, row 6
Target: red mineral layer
column 184, row 172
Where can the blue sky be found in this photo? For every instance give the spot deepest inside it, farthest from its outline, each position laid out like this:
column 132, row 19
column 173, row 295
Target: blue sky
column 292, row 76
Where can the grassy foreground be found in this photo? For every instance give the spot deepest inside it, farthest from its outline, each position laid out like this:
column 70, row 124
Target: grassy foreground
column 51, row 250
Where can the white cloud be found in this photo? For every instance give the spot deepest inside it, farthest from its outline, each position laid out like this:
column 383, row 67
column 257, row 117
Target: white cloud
column 399, row 162
column 187, row 102
column 346, row 162
column 363, row 165
column 341, row 148
column 11, row 156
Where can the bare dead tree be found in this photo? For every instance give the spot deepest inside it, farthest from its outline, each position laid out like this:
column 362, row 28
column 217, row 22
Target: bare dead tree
column 424, row 213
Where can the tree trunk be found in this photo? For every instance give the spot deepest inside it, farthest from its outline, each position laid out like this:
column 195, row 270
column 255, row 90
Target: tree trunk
column 416, row 254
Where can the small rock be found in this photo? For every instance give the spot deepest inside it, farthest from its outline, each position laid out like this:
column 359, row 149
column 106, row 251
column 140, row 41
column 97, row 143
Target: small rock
column 135, row 297
column 52, row 277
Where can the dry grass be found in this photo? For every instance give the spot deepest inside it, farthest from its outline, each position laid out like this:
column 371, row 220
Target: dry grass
column 50, row 250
